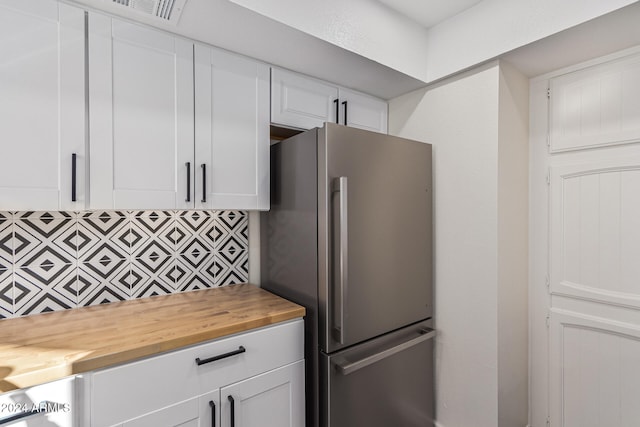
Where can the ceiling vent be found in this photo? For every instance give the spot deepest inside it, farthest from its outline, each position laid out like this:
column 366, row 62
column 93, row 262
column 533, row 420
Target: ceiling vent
column 167, row 10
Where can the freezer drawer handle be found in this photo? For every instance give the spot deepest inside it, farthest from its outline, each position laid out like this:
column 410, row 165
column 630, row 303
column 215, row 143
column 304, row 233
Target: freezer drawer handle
column 42, row 409
column 340, row 185
column 347, row 368
column 240, row 350
column 213, row 413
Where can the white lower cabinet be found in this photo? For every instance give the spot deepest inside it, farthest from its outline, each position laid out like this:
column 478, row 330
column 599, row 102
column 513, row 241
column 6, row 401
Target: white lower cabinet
column 261, row 370
column 273, row 399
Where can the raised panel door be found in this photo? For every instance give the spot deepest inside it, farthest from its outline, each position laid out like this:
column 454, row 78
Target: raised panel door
column 141, row 116
column 42, row 114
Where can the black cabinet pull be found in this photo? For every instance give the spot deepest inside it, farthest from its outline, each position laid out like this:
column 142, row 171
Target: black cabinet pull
column 42, row 409
column 73, row 177
column 335, row 101
column 213, row 413
column 232, row 411
column 345, row 112
column 188, row 165
column 240, row 350
column 204, row 183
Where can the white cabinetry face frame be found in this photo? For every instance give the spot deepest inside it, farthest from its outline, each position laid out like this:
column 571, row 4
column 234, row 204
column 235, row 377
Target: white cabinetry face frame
column 596, row 106
column 595, row 231
column 594, row 371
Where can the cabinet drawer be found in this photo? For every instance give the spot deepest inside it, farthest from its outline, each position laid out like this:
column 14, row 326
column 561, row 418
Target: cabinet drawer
column 127, row 391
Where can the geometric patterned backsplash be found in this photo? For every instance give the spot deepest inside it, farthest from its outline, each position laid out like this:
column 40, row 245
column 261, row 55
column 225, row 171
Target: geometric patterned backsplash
column 59, row 260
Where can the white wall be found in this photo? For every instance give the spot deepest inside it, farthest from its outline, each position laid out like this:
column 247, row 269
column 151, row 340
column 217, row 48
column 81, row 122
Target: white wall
column 513, row 203
column 366, row 27
column 477, row 124
column 460, row 119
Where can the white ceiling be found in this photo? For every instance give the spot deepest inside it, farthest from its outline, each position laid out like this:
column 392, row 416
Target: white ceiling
column 429, row 12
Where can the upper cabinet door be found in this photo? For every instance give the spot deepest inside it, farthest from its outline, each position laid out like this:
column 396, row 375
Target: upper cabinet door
column 362, row 111
column 232, row 131
column 300, row 101
column 42, row 110
column 141, row 116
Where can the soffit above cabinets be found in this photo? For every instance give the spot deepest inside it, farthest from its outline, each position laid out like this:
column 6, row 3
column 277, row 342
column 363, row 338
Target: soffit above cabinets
column 430, row 12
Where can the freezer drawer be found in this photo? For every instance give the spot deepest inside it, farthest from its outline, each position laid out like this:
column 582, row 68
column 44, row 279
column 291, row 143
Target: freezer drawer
column 384, row 382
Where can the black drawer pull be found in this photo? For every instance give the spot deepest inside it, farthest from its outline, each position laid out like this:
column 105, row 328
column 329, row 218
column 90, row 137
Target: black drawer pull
column 42, row 409
column 240, row 349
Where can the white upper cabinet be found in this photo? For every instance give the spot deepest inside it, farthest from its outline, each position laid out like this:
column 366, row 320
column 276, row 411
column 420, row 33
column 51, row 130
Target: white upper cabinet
column 166, row 135
column 232, row 131
column 141, row 115
column 363, row 111
column 42, row 106
column 300, row 101
column 303, row 102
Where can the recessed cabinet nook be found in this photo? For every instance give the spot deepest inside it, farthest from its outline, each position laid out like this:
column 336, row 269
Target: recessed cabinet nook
column 100, row 113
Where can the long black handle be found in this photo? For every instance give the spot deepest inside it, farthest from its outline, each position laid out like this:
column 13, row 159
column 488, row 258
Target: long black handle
column 42, row 408
column 345, row 112
column 188, row 165
column 232, row 411
column 240, row 349
column 73, row 177
column 213, row 413
column 204, row 183
column 335, row 101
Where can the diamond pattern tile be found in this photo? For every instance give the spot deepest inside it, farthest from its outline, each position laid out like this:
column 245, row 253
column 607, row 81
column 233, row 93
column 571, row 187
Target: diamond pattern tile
column 151, row 283
column 6, row 240
column 152, row 229
column 39, row 290
column 44, row 234
column 230, row 269
column 100, row 285
column 58, row 260
column 6, row 293
column 231, row 232
column 103, row 236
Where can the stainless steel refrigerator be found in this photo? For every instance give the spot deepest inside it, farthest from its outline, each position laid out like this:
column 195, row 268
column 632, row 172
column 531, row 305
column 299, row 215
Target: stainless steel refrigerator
column 349, row 236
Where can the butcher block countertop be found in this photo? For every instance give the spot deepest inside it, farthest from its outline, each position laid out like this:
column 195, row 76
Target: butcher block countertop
column 45, row 347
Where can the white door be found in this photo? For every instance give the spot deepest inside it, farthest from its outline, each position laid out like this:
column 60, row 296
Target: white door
column 232, row 131
column 141, row 116
column 272, row 399
column 302, row 102
column 363, row 111
column 585, row 238
column 42, row 105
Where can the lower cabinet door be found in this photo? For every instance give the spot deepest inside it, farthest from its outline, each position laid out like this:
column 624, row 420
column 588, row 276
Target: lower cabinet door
column 272, row 399
column 196, row 412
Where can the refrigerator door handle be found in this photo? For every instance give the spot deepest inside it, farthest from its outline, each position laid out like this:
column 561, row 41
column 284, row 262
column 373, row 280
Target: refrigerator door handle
column 340, row 185
column 345, row 367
